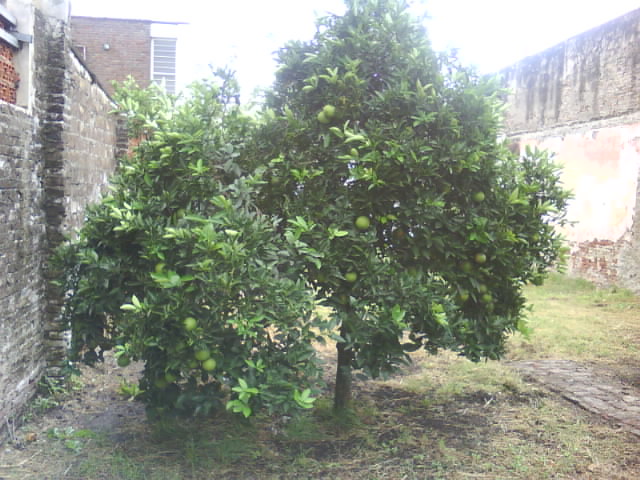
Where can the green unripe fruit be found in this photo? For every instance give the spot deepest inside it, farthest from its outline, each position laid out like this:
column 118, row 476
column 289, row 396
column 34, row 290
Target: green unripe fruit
column 463, row 296
column 482, row 288
column 486, row 298
column 123, row 361
column 322, row 118
column 192, row 363
column 354, row 152
column 478, row 197
column 170, row 377
column 202, row 355
column 209, row 365
column 480, row 258
column 190, row 323
column 351, row 277
column 329, row 111
column 160, row 383
column 466, row 267
column 362, row 222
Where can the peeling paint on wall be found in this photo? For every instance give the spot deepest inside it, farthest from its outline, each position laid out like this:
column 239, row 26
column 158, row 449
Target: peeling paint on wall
column 581, row 101
column 601, row 168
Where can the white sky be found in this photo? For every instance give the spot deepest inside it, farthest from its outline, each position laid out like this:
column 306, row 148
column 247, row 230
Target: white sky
column 243, row 34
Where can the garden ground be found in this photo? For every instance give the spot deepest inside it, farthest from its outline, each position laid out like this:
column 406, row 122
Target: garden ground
column 441, row 418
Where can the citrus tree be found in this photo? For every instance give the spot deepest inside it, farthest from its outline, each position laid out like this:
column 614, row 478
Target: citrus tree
column 427, row 225
column 178, row 269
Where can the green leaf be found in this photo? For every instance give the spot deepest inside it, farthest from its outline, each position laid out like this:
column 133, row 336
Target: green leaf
column 397, row 315
column 335, row 233
column 304, row 399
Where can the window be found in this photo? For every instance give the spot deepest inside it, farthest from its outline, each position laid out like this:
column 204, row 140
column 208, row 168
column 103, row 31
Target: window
column 163, row 63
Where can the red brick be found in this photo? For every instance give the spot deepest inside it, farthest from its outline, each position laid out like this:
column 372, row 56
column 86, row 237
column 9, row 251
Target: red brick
column 8, row 76
column 129, row 52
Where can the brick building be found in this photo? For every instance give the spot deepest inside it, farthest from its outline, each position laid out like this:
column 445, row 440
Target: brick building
column 9, row 77
column 114, row 48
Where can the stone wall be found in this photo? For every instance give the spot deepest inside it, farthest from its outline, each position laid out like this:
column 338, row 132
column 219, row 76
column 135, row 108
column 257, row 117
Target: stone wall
column 580, row 100
column 55, row 157
column 22, row 242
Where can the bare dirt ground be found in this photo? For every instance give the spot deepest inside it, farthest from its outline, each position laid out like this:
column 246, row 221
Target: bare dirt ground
column 478, row 433
column 96, row 406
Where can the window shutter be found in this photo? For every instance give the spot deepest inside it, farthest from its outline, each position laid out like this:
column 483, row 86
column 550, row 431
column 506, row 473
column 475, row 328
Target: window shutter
column 163, row 71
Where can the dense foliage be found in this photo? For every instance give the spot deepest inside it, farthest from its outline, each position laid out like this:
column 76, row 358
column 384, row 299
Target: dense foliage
column 373, row 182
column 177, row 268
column 366, row 121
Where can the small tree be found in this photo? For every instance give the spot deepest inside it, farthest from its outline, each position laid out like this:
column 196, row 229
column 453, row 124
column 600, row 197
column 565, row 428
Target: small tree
column 374, row 183
column 427, row 224
column 177, row 268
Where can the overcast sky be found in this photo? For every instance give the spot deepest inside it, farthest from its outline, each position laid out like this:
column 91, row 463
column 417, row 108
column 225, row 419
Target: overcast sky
column 490, row 34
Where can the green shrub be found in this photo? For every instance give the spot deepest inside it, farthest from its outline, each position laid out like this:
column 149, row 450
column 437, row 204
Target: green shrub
column 179, row 269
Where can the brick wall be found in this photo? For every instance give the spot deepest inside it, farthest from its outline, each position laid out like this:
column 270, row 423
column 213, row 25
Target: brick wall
column 9, row 78
column 129, row 51
column 598, row 260
column 22, row 242
column 90, row 140
column 54, row 158
column 581, row 100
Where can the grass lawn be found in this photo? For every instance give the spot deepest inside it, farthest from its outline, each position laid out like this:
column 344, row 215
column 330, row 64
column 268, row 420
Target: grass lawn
column 443, row 418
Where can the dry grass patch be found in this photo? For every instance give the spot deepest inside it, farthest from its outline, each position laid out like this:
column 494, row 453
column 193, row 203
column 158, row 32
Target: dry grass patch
column 442, row 418
column 573, row 320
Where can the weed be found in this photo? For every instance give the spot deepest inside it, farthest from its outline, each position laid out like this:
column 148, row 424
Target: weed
column 71, row 439
column 304, row 429
column 42, row 404
column 50, row 394
column 130, row 390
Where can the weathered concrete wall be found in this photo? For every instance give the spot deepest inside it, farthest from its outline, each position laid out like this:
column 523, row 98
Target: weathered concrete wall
column 55, row 157
column 580, row 101
column 593, row 76
column 601, row 165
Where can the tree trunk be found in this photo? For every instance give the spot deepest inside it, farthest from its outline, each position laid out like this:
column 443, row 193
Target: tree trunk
column 342, row 392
